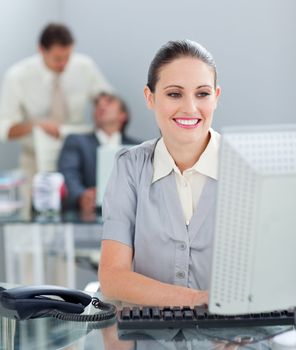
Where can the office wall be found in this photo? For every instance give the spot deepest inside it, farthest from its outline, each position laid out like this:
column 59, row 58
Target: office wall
column 253, row 44
column 20, row 23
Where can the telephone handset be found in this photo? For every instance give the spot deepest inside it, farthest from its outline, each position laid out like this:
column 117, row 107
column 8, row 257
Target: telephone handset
column 27, row 302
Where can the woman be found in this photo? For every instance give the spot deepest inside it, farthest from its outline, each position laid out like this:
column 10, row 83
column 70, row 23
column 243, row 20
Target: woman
column 159, row 205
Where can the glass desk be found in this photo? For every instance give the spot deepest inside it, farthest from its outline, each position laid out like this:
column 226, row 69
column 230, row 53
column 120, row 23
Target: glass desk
column 50, row 333
column 44, row 249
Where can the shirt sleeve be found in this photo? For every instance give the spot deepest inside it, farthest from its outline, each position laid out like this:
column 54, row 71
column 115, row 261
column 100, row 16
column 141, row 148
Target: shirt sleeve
column 10, row 104
column 120, row 201
column 98, row 82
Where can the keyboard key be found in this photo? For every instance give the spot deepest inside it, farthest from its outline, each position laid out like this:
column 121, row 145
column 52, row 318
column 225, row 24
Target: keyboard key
column 136, row 313
column 188, row 315
column 167, row 315
column 126, row 314
column 146, row 313
column 276, row 313
column 178, row 314
column 155, row 313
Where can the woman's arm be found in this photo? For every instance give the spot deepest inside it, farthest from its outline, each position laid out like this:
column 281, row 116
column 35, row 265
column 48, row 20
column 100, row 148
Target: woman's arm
column 119, row 282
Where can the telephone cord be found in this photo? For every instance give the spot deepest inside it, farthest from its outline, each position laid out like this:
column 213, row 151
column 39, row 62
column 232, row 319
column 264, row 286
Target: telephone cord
column 108, row 312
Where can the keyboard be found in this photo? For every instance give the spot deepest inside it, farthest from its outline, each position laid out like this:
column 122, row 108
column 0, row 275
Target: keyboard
column 186, row 317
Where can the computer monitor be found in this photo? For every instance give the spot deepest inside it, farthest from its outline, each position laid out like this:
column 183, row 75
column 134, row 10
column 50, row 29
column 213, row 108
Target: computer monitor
column 254, row 253
column 105, row 159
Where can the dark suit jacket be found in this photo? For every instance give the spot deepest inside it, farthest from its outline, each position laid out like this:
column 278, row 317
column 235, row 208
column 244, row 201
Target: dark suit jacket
column 77, row 162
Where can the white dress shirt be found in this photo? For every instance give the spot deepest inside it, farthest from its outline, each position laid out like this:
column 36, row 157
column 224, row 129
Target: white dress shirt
column 191, row 183
column 104, row 139
column 28, row 88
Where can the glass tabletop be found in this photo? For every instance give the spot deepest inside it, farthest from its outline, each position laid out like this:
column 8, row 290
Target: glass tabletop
column 51, row 333
column 75, row 217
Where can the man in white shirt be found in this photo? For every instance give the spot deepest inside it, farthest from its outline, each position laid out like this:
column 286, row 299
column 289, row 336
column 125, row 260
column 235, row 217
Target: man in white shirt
column 50, row 90
column 77, row 160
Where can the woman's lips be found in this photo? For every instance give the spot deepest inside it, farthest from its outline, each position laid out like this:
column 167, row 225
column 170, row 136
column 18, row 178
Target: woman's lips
column 187, row 123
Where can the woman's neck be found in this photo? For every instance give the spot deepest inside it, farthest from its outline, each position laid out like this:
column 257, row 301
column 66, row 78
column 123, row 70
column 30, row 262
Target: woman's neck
column 185, row 156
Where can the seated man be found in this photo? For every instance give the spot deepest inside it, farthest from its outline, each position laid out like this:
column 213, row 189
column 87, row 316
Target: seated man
column 77, row 160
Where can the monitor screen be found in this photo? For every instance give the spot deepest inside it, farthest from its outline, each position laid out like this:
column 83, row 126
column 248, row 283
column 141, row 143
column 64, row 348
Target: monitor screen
column 254, row 253
column 105, row 159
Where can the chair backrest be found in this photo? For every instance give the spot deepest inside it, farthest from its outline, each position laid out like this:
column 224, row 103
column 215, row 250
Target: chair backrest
column 47, row 150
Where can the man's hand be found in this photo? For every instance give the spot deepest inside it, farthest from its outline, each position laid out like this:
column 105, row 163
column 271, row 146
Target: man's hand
column 87, row 201
column 50, row 127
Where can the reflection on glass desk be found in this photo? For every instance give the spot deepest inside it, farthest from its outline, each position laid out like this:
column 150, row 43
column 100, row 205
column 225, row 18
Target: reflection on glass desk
column 47, row 218
column 50, row 333
column 39, row 249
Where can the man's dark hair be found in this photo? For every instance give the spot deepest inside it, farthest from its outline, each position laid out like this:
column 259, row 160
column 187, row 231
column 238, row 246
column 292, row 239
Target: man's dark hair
column 55, row 34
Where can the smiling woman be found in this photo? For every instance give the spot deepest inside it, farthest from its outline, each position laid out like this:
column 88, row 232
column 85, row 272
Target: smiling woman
column 159, row 205
column 184, row 100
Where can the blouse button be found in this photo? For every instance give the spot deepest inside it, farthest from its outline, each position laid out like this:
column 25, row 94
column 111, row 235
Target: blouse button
column 180, row 274
column 182, row 246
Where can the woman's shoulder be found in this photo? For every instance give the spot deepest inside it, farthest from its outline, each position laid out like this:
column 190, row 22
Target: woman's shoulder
column 141, row 152
column 136, row 162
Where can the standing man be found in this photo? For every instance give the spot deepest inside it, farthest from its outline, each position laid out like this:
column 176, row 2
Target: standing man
column 50, row 89
column 78, row 156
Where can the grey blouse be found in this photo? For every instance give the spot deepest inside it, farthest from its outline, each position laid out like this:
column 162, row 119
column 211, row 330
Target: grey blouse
column 148, row 218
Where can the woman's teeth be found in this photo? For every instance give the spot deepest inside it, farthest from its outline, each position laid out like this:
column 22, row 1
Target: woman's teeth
column 187, row 121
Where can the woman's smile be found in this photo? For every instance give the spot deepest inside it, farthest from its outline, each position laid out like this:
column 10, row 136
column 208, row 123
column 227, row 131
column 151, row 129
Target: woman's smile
column 187, row 123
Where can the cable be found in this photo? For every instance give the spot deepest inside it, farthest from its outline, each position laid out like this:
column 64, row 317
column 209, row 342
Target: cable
column 109, row 312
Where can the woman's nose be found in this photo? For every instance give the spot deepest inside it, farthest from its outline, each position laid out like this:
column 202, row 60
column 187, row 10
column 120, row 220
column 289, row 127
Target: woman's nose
column 189, row 105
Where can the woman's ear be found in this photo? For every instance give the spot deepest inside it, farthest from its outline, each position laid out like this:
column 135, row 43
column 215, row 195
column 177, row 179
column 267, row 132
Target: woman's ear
column 218, row 91
column 217, row 94
column 148, row 97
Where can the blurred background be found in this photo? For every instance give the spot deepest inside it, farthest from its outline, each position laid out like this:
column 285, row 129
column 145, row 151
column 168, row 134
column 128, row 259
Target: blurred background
column 253, row 44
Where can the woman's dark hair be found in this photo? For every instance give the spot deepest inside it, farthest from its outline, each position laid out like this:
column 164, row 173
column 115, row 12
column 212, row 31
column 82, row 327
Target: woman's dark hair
column 177, row 49
column 55, row 33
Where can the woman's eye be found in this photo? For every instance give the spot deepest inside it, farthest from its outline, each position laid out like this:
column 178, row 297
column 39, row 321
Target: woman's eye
column 174, row 94
column 203, row 94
